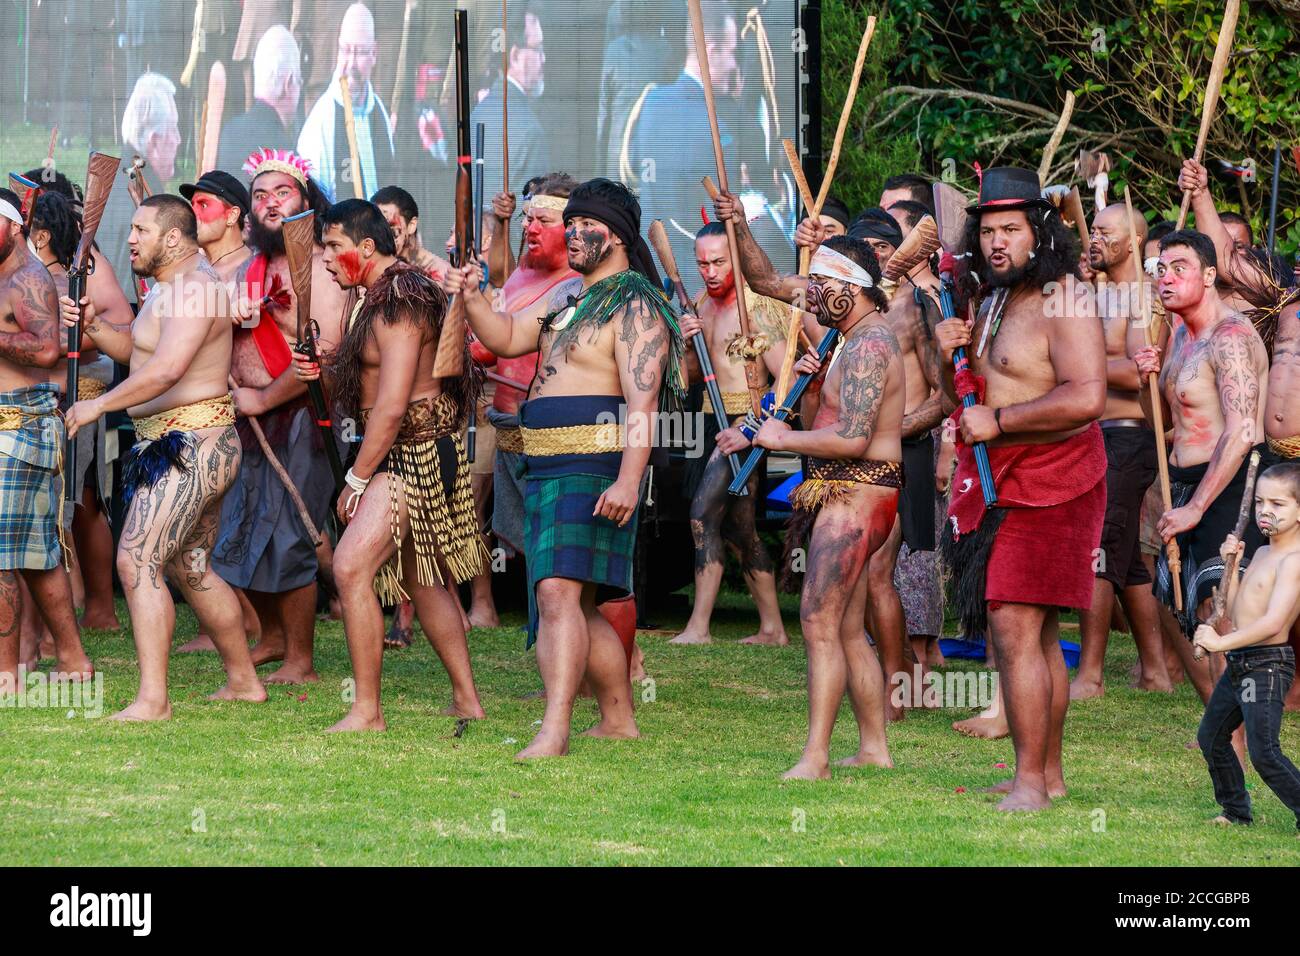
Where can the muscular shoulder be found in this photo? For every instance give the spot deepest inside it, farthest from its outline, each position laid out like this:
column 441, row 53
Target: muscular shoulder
column 1234, row 341
column 562, row 292
column 33, row 291
column 876, row 345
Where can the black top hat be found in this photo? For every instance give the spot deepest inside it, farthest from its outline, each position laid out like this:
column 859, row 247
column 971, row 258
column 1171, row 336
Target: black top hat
column 1005, row 188
column 222, row 185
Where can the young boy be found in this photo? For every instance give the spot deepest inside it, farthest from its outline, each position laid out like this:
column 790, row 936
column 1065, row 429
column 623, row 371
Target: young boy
column 1261, row 665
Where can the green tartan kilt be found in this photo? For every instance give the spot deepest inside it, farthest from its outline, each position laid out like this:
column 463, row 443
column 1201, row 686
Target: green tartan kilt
column 563, row 540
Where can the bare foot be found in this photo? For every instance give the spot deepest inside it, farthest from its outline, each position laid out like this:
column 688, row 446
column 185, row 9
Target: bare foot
column 336, row 610
column 472, row 712
column 1081, row 689
column 1153, row 686
column 139, row 710
column 893, row 714
column 636, row 669
column 867, row 758
column 545, row 745
column 1222, row 821
column 1024, row 798
column 807, row 770
column 285, row 674
column 264, row 654
column 75, row 670
column 1055, row 789
column 100, row 621
column 486, row 618
column 200, row 643
column 766, row 638
column 986, row 728
column 254, row 693
column 692, row 637
column 934, row 656
column 464, row 619
column 397, row 637
column 354, row 721
column 610, row 731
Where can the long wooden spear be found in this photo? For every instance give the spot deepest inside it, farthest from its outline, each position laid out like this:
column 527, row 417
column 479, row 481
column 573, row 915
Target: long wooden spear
column 349, row 122
column 1049, row 153
column 1212, row 87
column 505, row 108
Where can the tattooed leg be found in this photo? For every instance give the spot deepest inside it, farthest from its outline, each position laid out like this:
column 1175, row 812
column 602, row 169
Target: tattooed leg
column 868, row 692
column 436, row 609
column 741, row 534
column 707, row 509
column 159, row 521
column 212, row 599
column 366, row 544
column 885, row 619
column 51, row 592
column 11, row 609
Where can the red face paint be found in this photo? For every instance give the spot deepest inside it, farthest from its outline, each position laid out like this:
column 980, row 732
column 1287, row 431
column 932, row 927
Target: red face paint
column 546, row 247
column 355, row 271
column 725, row 291
column 206, row 209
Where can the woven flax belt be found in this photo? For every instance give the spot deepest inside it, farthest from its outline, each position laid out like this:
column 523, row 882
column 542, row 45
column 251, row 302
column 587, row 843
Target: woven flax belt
column 733, row 403
column 209, row 413
column 509, row 440
column 572, row 440
column 1286, row 447
column 88, row 388
column 828, row 480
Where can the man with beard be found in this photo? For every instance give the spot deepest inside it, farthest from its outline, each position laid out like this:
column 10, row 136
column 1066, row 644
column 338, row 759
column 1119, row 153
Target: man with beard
column 1212, row 387
column 263, row 548
column 1043, row 381
column 912, row 315
column 848, row 501
column 187, row 454
column 1277, row 311
column 1130, row 466
column 30, row 444
column 408, row 506
column 719, row 520
column 611, row 353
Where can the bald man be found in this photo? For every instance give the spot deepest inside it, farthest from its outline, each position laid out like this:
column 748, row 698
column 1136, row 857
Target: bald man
column 324, row 139
column 1130, row 465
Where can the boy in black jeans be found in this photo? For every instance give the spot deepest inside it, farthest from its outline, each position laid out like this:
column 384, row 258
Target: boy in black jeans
column 1260, row 664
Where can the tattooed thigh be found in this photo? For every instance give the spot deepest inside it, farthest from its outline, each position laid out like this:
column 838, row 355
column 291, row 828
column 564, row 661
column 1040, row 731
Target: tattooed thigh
column 837, row 554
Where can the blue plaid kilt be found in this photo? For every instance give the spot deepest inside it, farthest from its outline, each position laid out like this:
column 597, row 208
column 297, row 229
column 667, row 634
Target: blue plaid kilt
column 30, row 485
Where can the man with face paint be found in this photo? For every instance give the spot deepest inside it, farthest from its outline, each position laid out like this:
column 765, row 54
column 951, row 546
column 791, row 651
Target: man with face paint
column 848, row 501
column 221, row 205
column 1212, row 387
column 408, row 506
column 30, row 443
column 1130, row 464
column 1275, row 311
column 610, row 352
column 187, row 453
column 1042, row 375
column 717, row 518
column 403, row 215
column 263, row 547
column 912, row 315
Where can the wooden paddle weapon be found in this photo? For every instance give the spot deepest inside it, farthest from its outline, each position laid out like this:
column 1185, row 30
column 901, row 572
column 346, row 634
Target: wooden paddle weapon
column 299, row 246
column 214, row 108
column 100, row 172
column 27, row 192
column 449, row 362
column 1172, row 554
column 663, row 248
column 1212, row 87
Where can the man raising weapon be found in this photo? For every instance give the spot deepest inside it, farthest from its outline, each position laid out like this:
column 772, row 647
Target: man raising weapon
column 408, row 506
column 30, row 444
column 1044, row 383
column 848, row 500
column 611, row 351
column 187, row 455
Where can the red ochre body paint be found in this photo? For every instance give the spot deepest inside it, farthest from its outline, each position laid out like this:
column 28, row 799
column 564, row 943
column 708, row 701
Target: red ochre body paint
column 352, row 267
column 207, row 210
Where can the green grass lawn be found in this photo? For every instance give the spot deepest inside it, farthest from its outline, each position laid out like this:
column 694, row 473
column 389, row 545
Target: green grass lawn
column 262, row 784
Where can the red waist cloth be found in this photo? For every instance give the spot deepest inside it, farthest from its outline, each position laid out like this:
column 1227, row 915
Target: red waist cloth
column 267, row 336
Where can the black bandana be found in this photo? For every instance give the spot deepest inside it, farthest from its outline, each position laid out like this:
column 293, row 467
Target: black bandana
column 875, row 223
column 624, row 223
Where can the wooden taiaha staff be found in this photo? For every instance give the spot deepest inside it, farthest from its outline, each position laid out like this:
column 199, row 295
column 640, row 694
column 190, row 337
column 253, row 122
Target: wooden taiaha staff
column 505, row 107
column 213, row 109
column 349, row 121
column 1054, row 142
column 1212, row 87
column 1157, row 413
column 399, row 82
column 1225, row 592
column 755, row 374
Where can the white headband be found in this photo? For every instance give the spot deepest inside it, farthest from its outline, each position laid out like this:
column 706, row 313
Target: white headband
column 828, row 262
column 9, row 212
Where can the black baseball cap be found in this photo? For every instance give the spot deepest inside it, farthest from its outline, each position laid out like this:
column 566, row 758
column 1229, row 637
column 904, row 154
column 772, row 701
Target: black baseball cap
column 222, row 185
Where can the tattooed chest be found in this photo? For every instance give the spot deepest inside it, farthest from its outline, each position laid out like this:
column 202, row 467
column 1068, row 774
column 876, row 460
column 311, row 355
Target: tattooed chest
column 572, row 347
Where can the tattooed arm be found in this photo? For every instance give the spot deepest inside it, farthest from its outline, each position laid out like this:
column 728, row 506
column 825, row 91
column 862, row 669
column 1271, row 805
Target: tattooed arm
column 109, row 337
column 503, row 334
column 757, row 268
column 35, row 310
column 1237, row 355
column 1241, row 271
column 864, row 368
column 641, row 351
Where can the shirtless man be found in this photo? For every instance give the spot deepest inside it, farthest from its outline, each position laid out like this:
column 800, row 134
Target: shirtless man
column 718, row 518
column 1261, row 665
column 610, row 347
column 186, row 455
column 408, row 506
column 1256, row 286
column 263, row 547
column 848, row 500
column 1044, row 376
column 912, row 317
column 1131, row 467
column 30, row 444
column 1211, row 385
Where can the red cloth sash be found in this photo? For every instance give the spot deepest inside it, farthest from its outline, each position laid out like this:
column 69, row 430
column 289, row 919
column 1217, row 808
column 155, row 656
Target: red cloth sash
column 267, row 336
